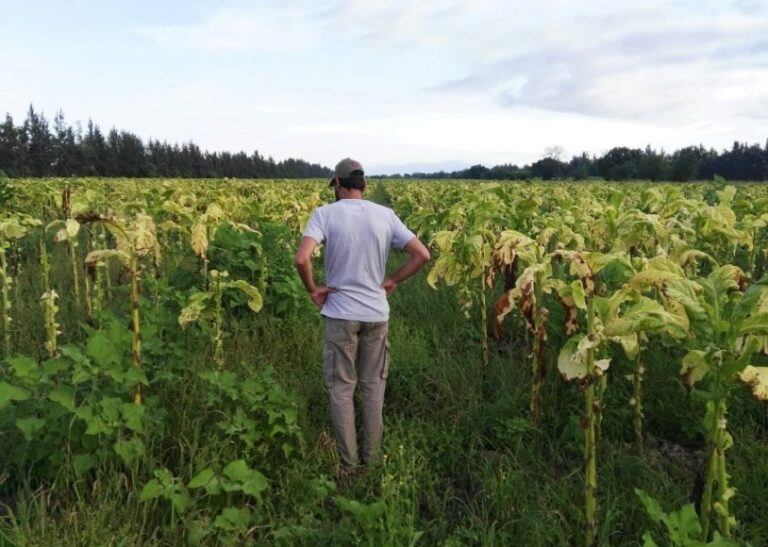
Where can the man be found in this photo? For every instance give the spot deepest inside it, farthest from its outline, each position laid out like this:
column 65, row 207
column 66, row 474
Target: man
column 358, row 235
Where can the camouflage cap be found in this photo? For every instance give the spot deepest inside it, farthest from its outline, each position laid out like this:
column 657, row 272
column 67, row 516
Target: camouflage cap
column 348, row 168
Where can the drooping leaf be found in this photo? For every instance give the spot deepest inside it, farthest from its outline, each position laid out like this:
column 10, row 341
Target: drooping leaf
column 694, row 367
column 255, row 300
column 757, row 379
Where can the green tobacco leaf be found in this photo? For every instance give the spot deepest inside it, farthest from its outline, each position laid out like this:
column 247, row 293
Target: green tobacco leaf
column 233, row 519
column 24, row 367
column 103, row 351
column 756, row 324
column 53, row 366
column 683, row 525
column 83, row 463
column 30, row 427
column 648, row 540
column 64, row 395
column 153, row 489
column 130, row 450
column 206, row 479
column 647, row 315
column 245, row 479
column 181, row 501
column 132, row 415
column 652, row 507
column 10, row 393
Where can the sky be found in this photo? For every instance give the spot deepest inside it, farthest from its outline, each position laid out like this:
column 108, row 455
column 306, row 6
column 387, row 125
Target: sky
column 400, row 85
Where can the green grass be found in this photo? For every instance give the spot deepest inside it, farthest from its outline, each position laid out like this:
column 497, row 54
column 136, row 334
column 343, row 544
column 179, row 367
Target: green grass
column 462, row 467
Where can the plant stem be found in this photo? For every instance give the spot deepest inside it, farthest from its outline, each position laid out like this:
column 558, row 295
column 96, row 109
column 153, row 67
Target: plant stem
column 135, row 323
column 706, row 497
column 539, row 373
column 107, row 275
column 638, row 398
column 218, row 342
column 590, row 448
column 483, row 318
column 45, row 266
column 716, row 473
column 722, row 475
column 75, row 276
column 5, row 302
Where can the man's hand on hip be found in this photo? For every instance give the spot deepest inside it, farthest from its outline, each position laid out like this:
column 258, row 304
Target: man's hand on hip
column 320, row 295
column 389, row 286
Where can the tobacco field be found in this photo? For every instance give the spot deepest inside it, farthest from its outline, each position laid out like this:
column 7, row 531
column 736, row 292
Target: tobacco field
column 580, row 363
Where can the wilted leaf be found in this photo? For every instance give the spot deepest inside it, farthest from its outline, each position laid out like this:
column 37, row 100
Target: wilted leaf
column 694, row 367
column 255, row 300
column 757, row 379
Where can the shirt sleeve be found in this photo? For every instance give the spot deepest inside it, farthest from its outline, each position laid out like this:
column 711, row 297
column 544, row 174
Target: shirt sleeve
column 316, row 227
column 401, row 235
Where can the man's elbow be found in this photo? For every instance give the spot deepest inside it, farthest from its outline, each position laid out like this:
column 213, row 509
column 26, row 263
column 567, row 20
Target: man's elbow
column 300, row 261
column 423, row 255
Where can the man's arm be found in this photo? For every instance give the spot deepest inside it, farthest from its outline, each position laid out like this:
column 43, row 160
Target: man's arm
column 303, row 261
column 419, row 256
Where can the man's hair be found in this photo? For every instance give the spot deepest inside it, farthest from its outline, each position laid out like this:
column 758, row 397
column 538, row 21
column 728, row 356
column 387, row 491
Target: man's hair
column 356, row 181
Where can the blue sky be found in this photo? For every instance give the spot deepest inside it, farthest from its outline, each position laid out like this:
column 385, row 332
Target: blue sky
column 397, row 85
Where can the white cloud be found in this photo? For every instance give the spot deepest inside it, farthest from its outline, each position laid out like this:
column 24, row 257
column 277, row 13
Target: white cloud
column 266, row 26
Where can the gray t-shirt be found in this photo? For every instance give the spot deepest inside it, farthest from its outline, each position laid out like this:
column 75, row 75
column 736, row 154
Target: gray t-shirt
column 358, row 235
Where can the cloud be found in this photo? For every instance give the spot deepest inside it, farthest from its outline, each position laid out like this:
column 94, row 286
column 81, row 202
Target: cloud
column 669, row 65
column 267, row 26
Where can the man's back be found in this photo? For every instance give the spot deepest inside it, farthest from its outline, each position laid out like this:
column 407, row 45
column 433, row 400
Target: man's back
column 358, row 235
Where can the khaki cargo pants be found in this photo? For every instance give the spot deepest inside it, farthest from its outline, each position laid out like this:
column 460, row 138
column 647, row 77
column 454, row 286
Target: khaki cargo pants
column 356, row 353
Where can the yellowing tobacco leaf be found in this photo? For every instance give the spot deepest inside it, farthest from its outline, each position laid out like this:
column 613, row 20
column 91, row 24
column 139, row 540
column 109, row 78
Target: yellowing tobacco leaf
column 694, row 367
column 757, row 379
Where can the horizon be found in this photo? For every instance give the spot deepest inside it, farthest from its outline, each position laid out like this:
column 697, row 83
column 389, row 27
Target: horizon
column 233, row 76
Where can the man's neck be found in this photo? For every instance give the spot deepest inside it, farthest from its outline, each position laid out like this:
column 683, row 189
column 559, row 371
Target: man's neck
column 350, row 194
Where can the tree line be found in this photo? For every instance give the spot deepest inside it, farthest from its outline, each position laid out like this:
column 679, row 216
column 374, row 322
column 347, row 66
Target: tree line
column 38, row 149
column 748, row 162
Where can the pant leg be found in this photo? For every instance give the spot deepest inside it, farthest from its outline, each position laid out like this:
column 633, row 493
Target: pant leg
column 372, row 371
column 340, row 374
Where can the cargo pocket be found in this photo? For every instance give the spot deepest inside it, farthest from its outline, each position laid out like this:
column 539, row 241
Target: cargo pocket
column 385, row 366
column 329, row 365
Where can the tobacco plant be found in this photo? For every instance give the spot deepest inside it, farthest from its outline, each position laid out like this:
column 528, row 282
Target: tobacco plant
column 208, row 305
column 730, row 327
column 12, row 228
column 135, row 238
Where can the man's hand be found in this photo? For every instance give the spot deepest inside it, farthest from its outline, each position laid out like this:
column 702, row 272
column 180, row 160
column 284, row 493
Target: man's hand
column 389, row 286
column 320, row 295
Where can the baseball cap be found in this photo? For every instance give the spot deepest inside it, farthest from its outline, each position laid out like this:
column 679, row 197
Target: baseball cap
column 348, row 169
